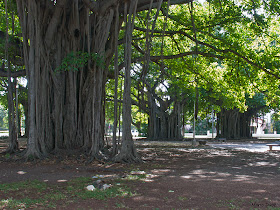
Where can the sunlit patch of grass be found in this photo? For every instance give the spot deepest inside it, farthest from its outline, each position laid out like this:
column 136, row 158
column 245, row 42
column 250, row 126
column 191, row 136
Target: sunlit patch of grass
column 13, row 203
column 136, row 177
column 181, row 198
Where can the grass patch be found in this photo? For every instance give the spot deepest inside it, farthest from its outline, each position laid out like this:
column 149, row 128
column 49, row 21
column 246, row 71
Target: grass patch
column 121, row 206
column 77, row 188
column 132, row 177
column 13, row 203
column 26, row 185
column 181, row 198
column 231, row 204
column 38, row 194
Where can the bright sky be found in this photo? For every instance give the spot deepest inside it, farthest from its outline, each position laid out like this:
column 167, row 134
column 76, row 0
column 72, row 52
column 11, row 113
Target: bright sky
column 201, row 1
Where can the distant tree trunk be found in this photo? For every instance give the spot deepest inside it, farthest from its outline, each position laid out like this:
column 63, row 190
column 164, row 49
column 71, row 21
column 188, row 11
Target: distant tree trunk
column 234, row 124
column 183, row 123
column 163, row 125
column 13, row 137
column 116, row 66
column 13, row 141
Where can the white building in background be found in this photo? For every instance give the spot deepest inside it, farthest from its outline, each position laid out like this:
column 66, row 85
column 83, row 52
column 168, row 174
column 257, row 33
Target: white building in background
column 260, row 124
column 257, row 125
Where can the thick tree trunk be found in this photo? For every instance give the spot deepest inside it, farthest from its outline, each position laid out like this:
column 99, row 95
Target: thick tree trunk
column 163, row 125
column 234, row 124
column 65, row 106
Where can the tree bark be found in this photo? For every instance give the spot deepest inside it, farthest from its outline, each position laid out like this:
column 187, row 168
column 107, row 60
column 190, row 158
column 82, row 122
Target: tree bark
column 116, row 66
column 65, row 107
column 13, row 141
column 234, row 124
column 128, row 151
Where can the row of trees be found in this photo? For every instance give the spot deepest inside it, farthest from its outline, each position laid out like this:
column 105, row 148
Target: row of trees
column 154, row 63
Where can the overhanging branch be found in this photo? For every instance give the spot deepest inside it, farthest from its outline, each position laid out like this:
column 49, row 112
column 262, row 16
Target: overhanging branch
column 4, row 73
column 145, row 4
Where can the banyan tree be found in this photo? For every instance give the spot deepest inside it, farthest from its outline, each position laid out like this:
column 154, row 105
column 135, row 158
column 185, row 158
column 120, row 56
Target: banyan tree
column 68, row 45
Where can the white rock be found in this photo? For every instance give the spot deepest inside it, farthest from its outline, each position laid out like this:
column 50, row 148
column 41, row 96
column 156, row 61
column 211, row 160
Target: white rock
column 137, row 172
column 106, row 186
column 90, row 188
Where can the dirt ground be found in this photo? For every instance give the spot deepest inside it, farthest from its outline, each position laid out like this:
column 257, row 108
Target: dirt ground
column 178, row 177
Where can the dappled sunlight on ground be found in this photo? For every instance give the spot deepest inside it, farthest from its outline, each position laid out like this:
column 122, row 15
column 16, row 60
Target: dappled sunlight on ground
column 175, row 175
column 245, row 173
column 251, row 147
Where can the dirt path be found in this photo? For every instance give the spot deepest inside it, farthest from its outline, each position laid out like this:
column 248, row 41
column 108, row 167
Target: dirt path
column 177, row 177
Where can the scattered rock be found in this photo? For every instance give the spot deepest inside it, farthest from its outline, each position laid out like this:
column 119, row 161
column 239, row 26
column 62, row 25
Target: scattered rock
column 106, row 186
column 90, row 188
column 137, row 172
column 98, row 184
column 97, row 176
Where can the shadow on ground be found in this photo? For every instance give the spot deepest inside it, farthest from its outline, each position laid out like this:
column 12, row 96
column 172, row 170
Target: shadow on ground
column 177, row 176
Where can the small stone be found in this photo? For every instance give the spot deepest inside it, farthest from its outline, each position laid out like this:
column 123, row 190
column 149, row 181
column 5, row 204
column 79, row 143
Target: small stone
column 137, row 172
column 106, row 186
column 90, row 188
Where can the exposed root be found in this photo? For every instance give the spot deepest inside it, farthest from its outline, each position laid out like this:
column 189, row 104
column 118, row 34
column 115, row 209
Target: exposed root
column 100, row 157
column 127, row 158
column 30, row 155
column 11, row 150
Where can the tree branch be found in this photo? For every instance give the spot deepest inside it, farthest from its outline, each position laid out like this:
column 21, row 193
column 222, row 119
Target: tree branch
column 168, row 57
column 4, row 73
column 247, row 60
column 145, row 4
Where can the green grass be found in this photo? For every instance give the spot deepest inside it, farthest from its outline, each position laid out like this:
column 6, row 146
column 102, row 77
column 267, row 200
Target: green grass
column 120, row 206
column 26, row 185
column 231, row 204
column 48, row 195
column 12, row 203
column 181, row 198
column 135, row 177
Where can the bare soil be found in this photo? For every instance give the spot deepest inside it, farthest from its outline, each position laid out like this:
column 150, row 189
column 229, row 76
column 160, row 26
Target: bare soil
column 178, row 177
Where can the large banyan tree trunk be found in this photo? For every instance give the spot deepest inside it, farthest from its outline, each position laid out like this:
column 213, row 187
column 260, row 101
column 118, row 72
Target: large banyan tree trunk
column 163, row 124
column 233, row 124
column 68, row 45
column 65, row 104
